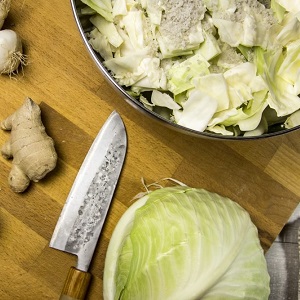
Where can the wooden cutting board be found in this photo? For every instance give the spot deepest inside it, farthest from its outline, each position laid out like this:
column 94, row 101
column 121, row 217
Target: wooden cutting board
column 262, row 176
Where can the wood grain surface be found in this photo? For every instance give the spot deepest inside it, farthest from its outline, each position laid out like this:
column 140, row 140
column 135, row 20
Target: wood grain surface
column 262, row 176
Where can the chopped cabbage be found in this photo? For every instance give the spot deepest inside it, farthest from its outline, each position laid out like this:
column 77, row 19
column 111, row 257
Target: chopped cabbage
column 282, row 77
column 178, row 33
column 100, row 43
column 108, row 29
column 288, row 5
column 185, row 243
column 238, row 57
column 247, row 24
column 102, row 7
column 181, row 74
column 163, row 100
column 293, row 120
column 198, row 109
column 219, row 91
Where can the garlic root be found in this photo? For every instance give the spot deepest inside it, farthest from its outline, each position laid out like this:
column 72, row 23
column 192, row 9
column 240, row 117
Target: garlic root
column 11, row 52
column 29, row 145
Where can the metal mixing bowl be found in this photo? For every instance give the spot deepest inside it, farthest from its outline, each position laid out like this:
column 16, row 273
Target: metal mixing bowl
column 85, row 26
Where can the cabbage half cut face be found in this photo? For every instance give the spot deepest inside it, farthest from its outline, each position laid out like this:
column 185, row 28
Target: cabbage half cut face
column 185, row 243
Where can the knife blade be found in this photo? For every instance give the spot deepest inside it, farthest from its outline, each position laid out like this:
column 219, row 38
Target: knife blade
column 81, row 220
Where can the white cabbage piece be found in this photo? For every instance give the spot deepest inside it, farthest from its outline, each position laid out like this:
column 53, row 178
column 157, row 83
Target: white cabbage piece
column 259, row 130
column 164, row 100
column 127, row 69
column 210, row 47
column 253, row 112
column 242, row 83
column 108, row 29
column 181, row 74
column 154, row 76
column 220, row 117
column 220, row 5
column 119, row 8
column 185, row 243
column 284, row 87
column 214, row 85
column 293, row 120
column 154, row 10
column 247, row 117
column 133, row 25
column 290, row 67
column 246, row 23
column 278, row 10
column 137, row 69
column 197, row 110
column 219, row 129
column 100, row 43
column 289, row 5
column 230, row 32
column 180, row 28
column 288, row 30
column 228, row 58
column 102, row 7
column 146, row 102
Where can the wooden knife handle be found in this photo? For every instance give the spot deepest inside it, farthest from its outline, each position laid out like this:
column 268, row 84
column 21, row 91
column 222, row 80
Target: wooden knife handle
column 76, row 285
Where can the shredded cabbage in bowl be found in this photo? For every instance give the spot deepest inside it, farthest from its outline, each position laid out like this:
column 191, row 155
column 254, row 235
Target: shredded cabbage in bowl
column 229, row 68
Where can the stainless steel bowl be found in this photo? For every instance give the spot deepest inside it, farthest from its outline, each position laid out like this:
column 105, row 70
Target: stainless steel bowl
column 84, row 27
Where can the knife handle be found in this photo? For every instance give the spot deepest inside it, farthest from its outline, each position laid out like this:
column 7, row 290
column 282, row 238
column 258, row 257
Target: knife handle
column 76, row 285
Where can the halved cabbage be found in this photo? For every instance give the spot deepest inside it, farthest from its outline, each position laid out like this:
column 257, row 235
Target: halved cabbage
column 185, row 243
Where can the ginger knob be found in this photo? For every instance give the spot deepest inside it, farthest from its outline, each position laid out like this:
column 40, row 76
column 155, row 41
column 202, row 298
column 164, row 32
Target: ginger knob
column 31, row 149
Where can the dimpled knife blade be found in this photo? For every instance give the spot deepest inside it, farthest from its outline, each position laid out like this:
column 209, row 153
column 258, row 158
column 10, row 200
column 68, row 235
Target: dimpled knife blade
column 80, row 223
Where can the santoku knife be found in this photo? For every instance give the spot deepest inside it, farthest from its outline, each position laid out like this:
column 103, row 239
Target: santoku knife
column 81, row 220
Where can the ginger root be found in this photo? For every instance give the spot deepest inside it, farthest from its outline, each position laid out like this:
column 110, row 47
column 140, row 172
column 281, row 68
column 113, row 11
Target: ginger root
column 29, row 145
